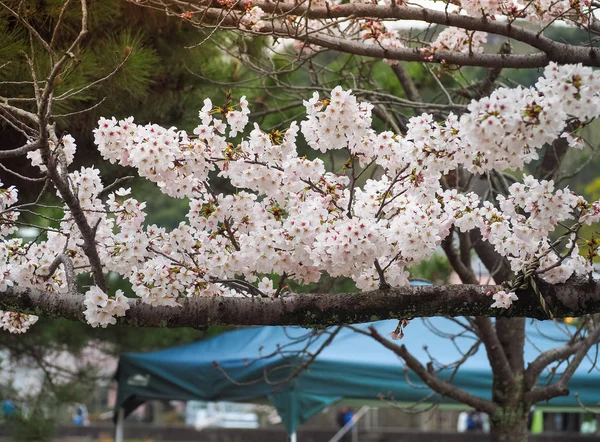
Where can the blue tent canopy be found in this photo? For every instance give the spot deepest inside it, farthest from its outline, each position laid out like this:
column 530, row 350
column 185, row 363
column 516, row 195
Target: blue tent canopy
column 250, row 365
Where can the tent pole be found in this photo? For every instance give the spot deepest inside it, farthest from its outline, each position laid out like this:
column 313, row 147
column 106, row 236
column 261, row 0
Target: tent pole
column 292, row 437
column 119, row 426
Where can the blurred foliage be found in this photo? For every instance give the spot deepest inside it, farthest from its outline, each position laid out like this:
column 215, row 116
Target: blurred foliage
column 592, row 190
column 436, row 269
column 34, row 426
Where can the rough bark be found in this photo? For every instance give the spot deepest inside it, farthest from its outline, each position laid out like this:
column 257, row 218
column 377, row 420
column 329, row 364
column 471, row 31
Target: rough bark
column 509, row 426
column 574, row 298
column 553, row 157
column 498, row 266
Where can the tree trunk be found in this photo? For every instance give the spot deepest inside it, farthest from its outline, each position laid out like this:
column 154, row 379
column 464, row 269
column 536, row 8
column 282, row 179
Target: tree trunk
column 509, row 428
column 509, row 423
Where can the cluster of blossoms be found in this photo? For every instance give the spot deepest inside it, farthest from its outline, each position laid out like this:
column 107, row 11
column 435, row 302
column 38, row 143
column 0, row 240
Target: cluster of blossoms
column 511, row 125
column 492, row 8
column 458, row 40
column 64, row 150
column 8, row 197
column 548, row 11
column 339, row 123
column 376, row 33
column 519, row 229
column 292, row 217
column 301, row 47
column 16, row 322
column 253, row 18
column 12, row 322
column 102, row 310
column 538, row 11
column 520, row 226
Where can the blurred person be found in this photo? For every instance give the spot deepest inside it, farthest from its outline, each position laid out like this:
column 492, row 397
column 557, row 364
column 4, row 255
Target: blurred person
column 80, row 418
column 344, row 416
column 470, row 421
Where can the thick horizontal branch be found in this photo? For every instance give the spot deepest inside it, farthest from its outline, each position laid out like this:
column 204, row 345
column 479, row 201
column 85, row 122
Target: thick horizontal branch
column 574, row 298
column 558, row 52
column 397, row 12
column 520, row 61
column 231, row 20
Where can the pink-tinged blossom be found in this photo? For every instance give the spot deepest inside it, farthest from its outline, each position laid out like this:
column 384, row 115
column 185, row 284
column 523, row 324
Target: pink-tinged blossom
column 266, row 286
column 503, row 299
column 253, row 19
column 376, row 33
column 458, row 40
column 16, row 322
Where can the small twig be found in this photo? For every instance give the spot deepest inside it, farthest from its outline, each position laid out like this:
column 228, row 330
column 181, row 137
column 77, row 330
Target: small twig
column 69, row 270
column 23, row 177
column 382, row 282
column 114, row 184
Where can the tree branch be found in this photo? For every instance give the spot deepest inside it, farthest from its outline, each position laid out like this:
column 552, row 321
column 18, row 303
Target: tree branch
column 426, row 15
column 575, row 298
column 69, row 270
column 535, row 60
column 47, row 135
column 407, row 83
column 485, row 328
column 486, row 86
column 464, row 272
column 495, row 351
column 553, row 157
column 560, row 53
column 559, row 388
column 497, row 265
column 535, row 368
column 436, row 384
column 19, row 151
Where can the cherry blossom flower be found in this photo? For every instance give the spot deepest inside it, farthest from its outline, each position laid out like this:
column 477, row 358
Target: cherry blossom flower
column 503, row 299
